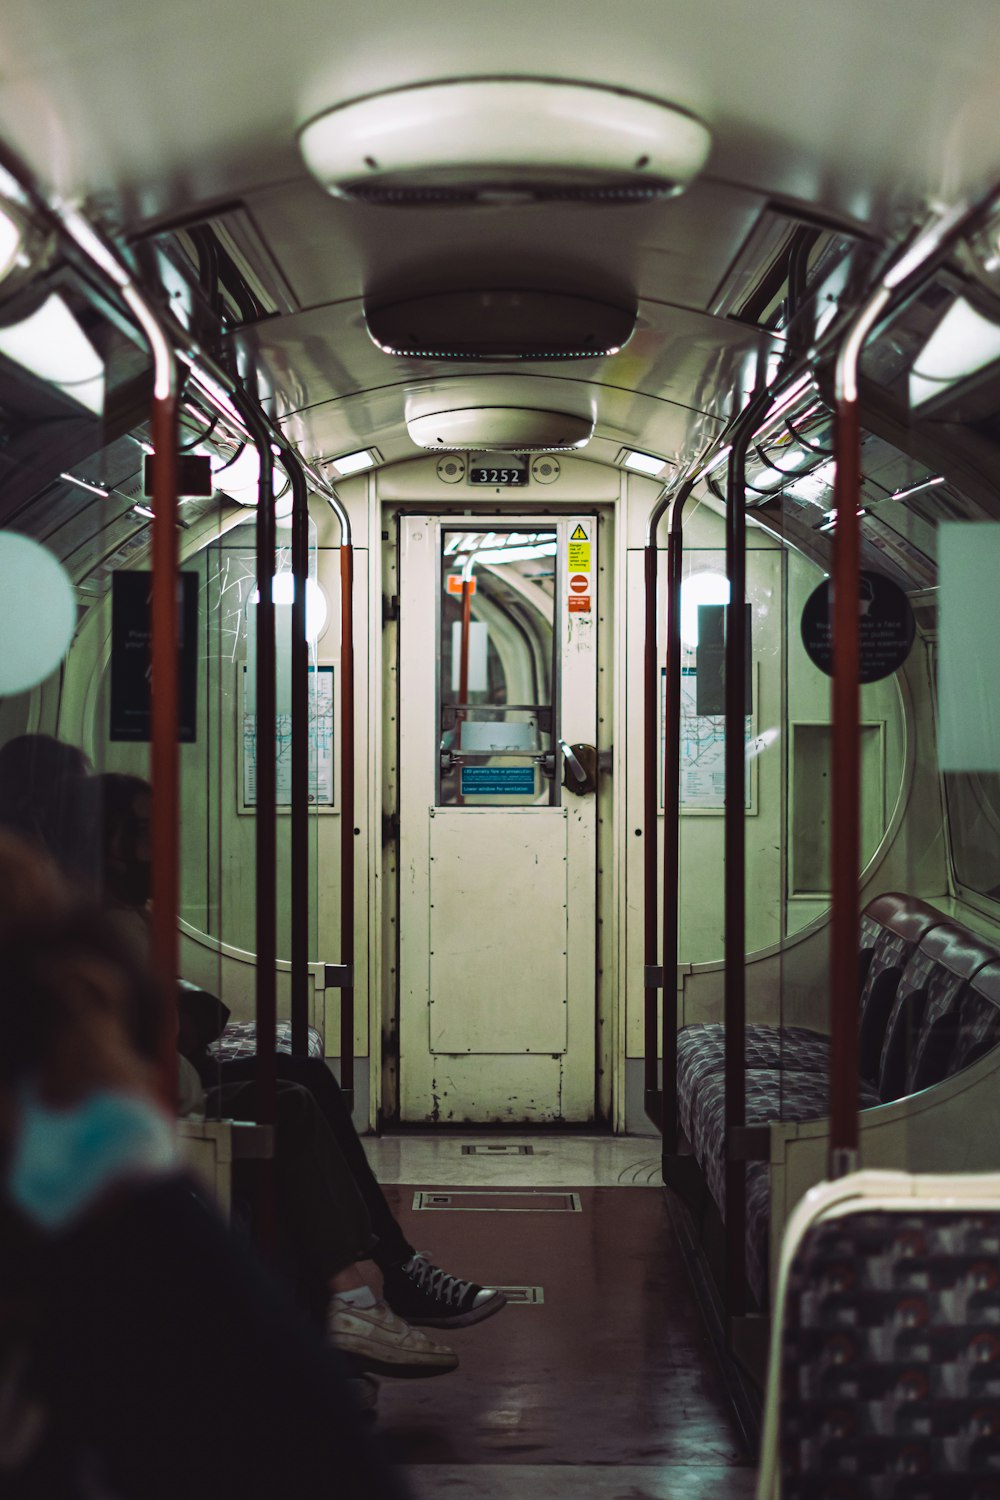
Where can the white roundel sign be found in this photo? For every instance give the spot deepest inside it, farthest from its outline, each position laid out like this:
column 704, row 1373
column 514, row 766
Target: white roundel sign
column 37, row 613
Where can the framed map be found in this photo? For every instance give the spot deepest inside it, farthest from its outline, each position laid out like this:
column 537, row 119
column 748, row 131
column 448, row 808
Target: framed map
column 321, row 722
column 703, row 750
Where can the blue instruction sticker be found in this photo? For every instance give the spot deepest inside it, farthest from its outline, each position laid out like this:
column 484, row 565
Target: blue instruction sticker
column 498, row 781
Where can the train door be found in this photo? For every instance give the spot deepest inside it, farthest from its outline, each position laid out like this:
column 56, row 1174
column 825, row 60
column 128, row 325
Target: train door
column 498, row 822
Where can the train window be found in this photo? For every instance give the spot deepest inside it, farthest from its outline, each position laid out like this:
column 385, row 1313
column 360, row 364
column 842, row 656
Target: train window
column 496, row 679
column 974, row 831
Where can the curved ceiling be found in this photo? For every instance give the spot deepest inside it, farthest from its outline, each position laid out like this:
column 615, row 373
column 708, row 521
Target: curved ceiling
column 859, row 111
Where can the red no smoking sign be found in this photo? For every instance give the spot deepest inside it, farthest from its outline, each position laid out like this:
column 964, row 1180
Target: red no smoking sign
column 579, row 583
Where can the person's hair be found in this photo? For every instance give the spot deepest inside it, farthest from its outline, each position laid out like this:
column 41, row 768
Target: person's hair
column 103, row 813
column 31, row 887
column 38, row 960
column 38, row 774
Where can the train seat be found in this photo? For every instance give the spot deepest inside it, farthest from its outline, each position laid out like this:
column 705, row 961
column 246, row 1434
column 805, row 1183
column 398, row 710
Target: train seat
column 892, row 925
column 885, row 1366
column 919, row 976
column 771, row 1094
column 978, row 1029
column 923, row 1024
column 239, row 1039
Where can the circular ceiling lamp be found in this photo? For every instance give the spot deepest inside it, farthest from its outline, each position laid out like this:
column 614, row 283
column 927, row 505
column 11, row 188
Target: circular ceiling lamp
column 501, row 429
column 499, row 324
column 494, row 141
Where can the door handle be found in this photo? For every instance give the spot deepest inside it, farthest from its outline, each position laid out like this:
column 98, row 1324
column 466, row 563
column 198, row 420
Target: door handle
column 579, row 767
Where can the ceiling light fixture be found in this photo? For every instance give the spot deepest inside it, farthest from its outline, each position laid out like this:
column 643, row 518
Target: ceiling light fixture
column 355, row 463
column 239, row 477
column 500, row 324
column 51, row 345
column 501, row 429
column 642, row 463
column 84, row 484
column 963, row 343
column 503, row 141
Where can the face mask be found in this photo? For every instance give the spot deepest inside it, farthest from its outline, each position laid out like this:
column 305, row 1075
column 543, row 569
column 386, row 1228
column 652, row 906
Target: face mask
column 63, row 1160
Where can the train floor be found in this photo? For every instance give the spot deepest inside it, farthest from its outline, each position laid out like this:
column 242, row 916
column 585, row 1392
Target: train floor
column 598, row 1380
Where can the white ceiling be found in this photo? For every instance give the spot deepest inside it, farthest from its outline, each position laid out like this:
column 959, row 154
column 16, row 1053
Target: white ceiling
column 861, row 109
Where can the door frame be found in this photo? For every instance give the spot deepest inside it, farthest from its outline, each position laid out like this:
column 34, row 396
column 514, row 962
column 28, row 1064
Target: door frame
column 382, row 753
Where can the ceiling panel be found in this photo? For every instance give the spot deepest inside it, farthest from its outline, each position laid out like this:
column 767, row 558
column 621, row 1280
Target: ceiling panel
column 169, row 104
column 676, row 252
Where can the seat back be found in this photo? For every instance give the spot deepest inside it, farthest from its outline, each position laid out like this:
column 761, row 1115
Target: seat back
column 903, row 921
column 978, row 1030
column 885, row 1360
column 920, row 1032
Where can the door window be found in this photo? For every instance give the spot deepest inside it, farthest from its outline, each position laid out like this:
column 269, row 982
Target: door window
column 497, row 684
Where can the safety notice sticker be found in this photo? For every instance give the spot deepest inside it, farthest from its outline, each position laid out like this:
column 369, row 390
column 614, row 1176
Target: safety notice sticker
column 579, row 574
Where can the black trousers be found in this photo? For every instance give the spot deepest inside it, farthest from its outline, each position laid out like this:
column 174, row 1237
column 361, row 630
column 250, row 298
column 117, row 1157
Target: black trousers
column 312, row 1073
column 175, row 1365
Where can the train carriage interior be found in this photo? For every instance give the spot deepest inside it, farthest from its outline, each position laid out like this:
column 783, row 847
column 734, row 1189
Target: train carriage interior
column 500, row 749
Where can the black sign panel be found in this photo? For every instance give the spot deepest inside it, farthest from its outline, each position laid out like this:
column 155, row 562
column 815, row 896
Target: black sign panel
column 130, row 656
column 194, row 475
column 710, row 689
column 886, row 627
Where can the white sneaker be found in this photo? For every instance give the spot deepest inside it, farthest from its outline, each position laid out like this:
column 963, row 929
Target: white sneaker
column 384, row 1344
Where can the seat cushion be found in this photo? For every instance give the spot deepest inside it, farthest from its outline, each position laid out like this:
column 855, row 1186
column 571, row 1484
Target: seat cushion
column 240, row 1040
column 758, row 1234
column 771, row 1094
column 701, row 1051
column 890, row 1360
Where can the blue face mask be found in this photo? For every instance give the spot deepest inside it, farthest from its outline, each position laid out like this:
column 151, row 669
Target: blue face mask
column 63, row 1160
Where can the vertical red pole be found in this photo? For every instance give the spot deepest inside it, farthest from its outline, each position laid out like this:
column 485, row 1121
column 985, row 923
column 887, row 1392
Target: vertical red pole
column 164, row 758
column 347, row 834
column 463, row 660
column 846, row 789
column 299, row 812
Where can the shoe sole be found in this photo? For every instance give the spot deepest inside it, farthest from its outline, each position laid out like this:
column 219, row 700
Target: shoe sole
column 399, row 1372
column 460, row 1320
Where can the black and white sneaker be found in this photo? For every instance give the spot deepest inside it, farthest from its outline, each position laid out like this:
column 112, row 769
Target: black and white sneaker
column 424, row 1294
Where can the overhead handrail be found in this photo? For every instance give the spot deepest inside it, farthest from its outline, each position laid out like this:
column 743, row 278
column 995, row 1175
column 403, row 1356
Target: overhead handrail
column 734, row 839
column 659, row 978
column 905, row 269
column 71, row 226
column 170, row 342
column 299, row 809
column 265, row 759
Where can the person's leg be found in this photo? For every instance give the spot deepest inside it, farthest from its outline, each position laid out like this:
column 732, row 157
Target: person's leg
column 413, row 1286
column 312, row 1073
column 325, row 1230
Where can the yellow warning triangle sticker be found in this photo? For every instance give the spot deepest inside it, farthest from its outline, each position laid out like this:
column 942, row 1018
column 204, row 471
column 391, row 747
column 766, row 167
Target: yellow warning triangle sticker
column 579, row 535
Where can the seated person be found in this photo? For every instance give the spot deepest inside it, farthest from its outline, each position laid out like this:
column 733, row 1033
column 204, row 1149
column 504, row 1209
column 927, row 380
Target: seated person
column 39, row 777
column 413, row 1286
column 143, row 1355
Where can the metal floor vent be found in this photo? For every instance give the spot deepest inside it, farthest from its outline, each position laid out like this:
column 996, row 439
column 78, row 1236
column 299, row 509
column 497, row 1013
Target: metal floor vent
column 525, row 1295
column 483, row 1148
column 498, row 1201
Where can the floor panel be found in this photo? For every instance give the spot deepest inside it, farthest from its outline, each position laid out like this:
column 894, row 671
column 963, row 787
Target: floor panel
column 556, row 1161
column 611, row 1368
column 569, row 1482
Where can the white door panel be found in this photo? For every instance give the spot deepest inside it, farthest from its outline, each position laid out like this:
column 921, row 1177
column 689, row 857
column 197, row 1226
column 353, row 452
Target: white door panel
column 497, row 860
column 497, row 978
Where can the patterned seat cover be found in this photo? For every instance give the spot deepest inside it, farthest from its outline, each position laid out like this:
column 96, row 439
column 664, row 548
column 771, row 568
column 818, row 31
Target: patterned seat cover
column 890, row 1358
